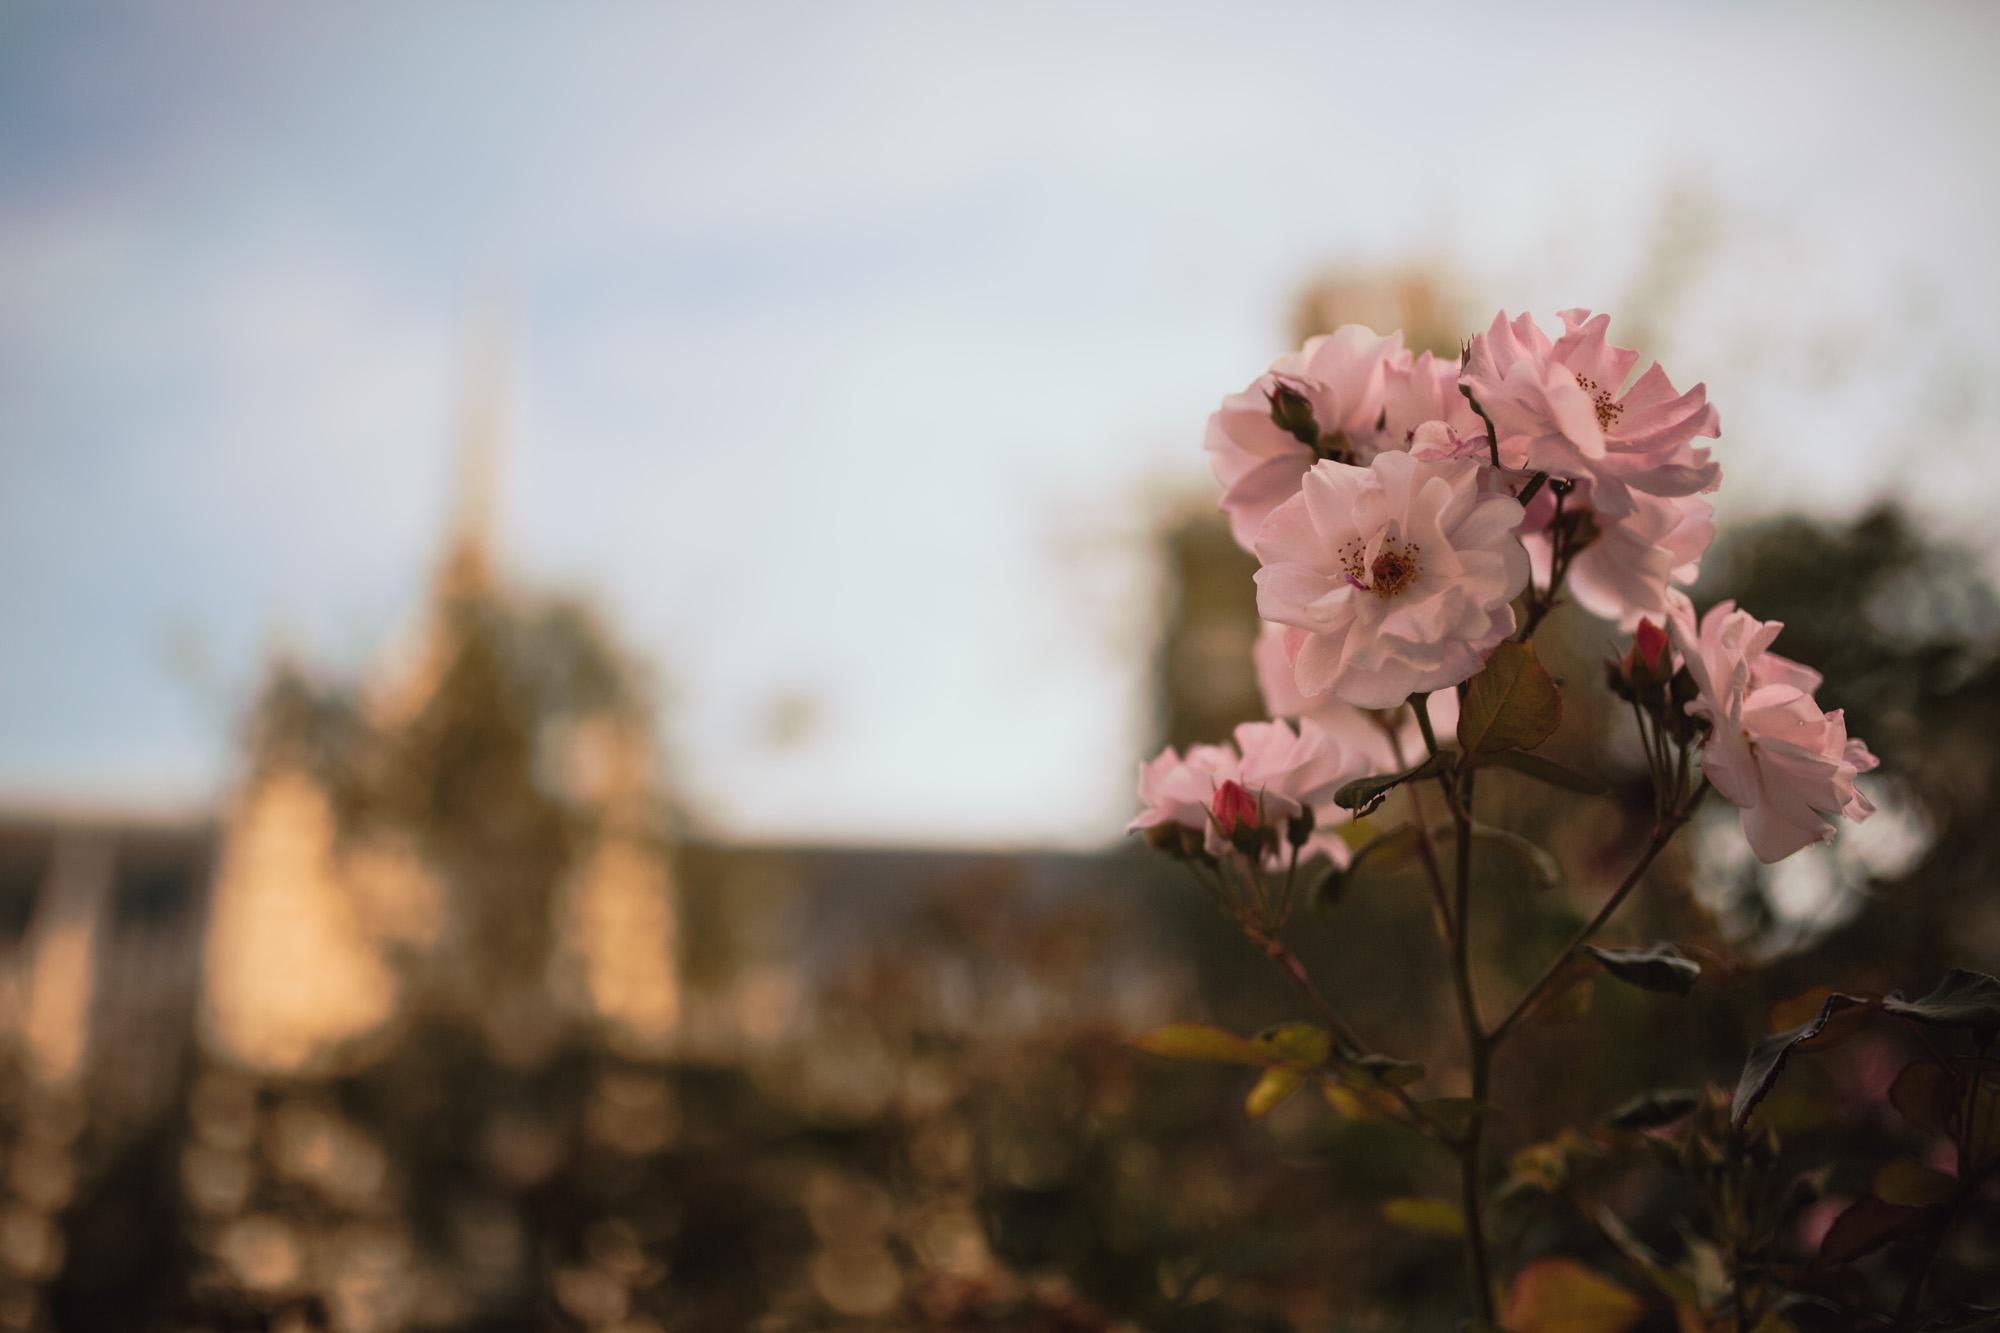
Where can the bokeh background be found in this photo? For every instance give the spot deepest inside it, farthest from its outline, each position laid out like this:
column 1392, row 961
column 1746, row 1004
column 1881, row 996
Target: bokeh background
column 582, row 590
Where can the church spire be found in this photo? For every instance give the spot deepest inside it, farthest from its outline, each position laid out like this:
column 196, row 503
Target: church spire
column 469, row 566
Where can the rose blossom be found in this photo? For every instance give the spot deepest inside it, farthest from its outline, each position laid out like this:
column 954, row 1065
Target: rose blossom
column 1773, row 753
column 1281, row 773
column 1177, row 789
column 1423, row 411
column 1400, row 573
column 1633, row 561
column 1389, row 740
column 1557, row 408
column 1322, row 401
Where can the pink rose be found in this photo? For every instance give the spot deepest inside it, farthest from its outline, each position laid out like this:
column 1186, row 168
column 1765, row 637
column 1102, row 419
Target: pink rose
column 1773, row 753
column 1322, row 401
column 1176, row 789
column 1638, row 560
column 1389, row 740
column 1425, row 392
column 1269, row 777
column 1400, row 574
column 1562, row 408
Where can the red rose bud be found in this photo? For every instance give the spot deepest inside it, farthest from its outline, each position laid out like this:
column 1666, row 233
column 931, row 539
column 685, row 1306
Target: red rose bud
column 1648, row 663
column 1234, row 810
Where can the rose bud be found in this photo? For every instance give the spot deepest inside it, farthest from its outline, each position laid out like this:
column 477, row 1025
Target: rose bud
column 1648, row 663
column 1233, row 808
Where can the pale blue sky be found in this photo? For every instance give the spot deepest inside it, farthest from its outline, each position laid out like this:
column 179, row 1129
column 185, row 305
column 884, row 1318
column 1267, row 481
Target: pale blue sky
column 848, row 338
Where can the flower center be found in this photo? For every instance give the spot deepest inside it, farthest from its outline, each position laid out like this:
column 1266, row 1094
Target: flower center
column 1394, row 568
column 1608, row 409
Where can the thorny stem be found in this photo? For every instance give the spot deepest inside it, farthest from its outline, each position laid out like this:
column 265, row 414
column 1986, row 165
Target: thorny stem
column 1479, row 1266
column 1266, row 939
column 1427, row 853
column 1560, row 554
column 1734, row 1185
column 1288, row 963
column 1426, row 847
column 1492, row 435
column 1421, row 707
column 1454, row 922
column 1663, row 833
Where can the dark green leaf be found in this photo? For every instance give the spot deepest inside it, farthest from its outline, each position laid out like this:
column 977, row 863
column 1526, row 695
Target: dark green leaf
column 1547, row 771
column 1364, row 794
column 1660, row 968
column 1651, row 1110
column 1540, row 868
column 1387, row 852
column 1767, row 1058
column 1962, row 1000
column 1513, row 704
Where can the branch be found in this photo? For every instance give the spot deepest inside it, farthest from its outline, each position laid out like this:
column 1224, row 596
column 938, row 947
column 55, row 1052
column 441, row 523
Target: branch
column 1663, row 833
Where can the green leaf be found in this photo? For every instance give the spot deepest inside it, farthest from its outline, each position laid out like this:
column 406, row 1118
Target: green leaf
column 1866, row 1226
column 1660, row 968
column 1654, row 1109
column 1426, row 1217
column 1513, row 704
column 1273, row 1090
column 1534, row 862
column 1767, row 1058
column 1364, row 794
column 1199, row 1041
column 1546, row 771
column 1301, row 1044
column 1962, row 1000
column 1562, row 1296
column 1906, row 1181
column 1387, row 852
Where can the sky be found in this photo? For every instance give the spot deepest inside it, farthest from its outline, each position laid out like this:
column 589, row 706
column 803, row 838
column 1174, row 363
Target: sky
column 852, row 349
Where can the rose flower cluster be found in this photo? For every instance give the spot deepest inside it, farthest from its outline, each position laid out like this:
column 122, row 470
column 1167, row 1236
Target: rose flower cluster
column 1410, row 515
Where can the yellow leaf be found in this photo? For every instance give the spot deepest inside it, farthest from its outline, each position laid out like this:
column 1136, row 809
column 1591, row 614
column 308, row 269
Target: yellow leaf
column 1199, row 1041
column 1272, row 1090
column 1562, row 1296
column 1294, row 1044
column 1352, row 1103
column 1427, row 1217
